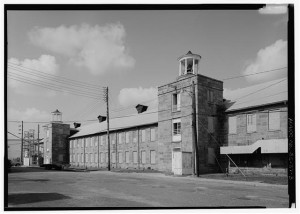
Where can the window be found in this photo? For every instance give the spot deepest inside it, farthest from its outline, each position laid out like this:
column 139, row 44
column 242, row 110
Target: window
column 81, row 157
column 113, row 138
column 71, row 142
column 211, row 124
column 92, row 141
column 127, row 157
column 106, row 157
column 92, row 158
column 176, row 130
column 87, row 157
column 96, row 158
column 152, row 134
column 251, row 123
column 274, row 120
column 120, row 157
column 113, row 157
column 143, row 135
column 143, row 156
column 78, row 143
column 152, row 157
column 103, row 140
column 74, row 158
column 135, row 157
column 127, row 137
column 176, row 102
column 232, row 125
column 120, row 137
column 210, row 96
column 74, row 143
column 71, row 158
column 134, row 136
column 102, row 156
column 48, row 133
column 82, row 142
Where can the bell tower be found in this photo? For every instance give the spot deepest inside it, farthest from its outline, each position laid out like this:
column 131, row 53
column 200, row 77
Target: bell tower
column 189, row 64
column 56, row 117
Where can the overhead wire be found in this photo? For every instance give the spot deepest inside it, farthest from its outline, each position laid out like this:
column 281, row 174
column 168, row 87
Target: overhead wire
column 30, row 82
column 56, row 76
column 55, row 84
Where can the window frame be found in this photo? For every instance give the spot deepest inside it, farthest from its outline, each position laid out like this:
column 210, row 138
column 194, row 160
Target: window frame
column 176, row 107
column 176, row 137
column 251, row 128
column 152, row 134
column 276, row 112
column 232, row 130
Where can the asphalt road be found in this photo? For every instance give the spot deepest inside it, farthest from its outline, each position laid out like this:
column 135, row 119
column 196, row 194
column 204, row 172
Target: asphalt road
column 35, row 187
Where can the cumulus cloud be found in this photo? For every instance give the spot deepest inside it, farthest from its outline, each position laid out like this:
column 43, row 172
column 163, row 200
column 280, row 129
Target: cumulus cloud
column 29, row 114
column 98, row 48
column 273, row 9
column 268, row 58
column 133, row 96
column 27, row 70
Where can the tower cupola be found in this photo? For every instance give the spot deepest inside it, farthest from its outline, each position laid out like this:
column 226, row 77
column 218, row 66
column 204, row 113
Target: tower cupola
column 56, row 116
column 189, row 64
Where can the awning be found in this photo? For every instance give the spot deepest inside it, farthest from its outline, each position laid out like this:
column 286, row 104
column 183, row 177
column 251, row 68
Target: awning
column 267, row 146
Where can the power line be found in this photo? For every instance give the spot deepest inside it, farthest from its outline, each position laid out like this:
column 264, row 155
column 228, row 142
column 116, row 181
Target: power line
column 132, row 115
column 67, row 88
column 51, row 88
column 254, row 73
column 50, row 80
column 260, row 89
column 56, row 76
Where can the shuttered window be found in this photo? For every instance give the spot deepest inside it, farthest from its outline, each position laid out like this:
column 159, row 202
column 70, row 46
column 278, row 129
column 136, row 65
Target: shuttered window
column 143, row 156
column 152, row 157
column 113, row 157
column 152, row 134
column 274, row 120
column 251, row 123
column 135, row 157
column 143, row 135
column 127, row 157
column 120, row 157
column 232, row 125
column 127, row 137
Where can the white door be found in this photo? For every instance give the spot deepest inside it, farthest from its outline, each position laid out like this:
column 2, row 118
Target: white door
column 177, row 162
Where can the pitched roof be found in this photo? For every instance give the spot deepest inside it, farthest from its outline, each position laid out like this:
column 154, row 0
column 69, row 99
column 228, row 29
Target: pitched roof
column 258, row 95
column 129, row 121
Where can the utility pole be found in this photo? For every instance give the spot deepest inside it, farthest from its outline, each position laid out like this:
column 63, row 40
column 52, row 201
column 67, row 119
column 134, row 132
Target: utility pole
column 107, row 118
column 22, row 145
column 38, row 141
column 195, row 152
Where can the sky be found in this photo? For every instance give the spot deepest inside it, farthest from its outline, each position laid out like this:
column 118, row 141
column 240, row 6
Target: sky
column 131, row 52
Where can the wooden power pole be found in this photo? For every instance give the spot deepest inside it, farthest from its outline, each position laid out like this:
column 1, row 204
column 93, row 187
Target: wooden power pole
column 107, row 118
column 195, row 153
column 22, row 145
column 38, row 142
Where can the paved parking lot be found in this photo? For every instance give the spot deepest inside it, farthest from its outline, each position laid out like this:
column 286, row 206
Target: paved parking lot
column 36, row 187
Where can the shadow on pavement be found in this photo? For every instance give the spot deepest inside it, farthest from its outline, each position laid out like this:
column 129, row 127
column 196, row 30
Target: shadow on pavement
column 26, row 198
